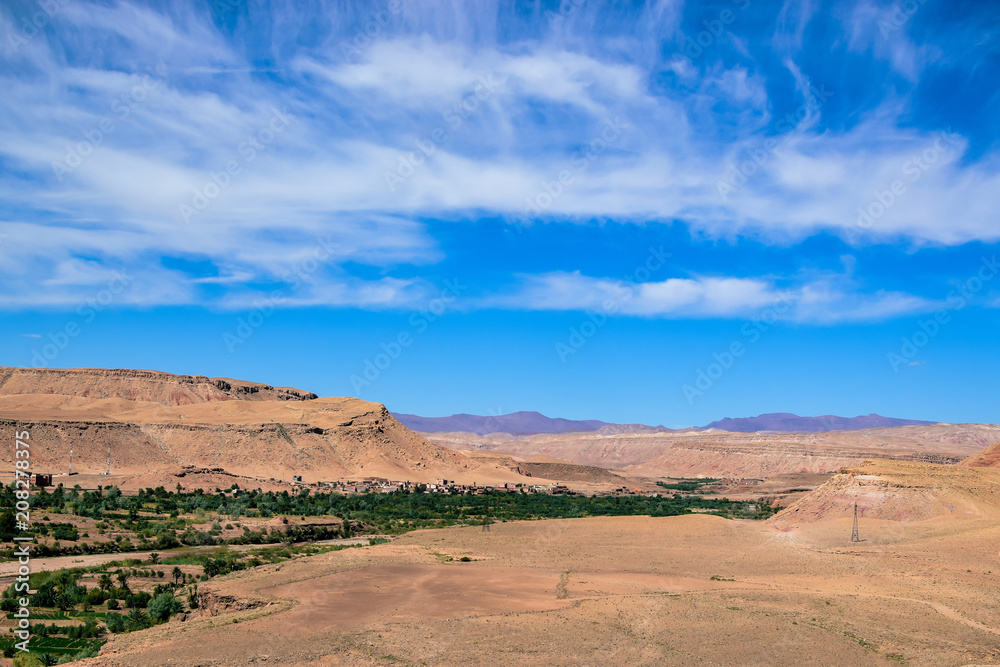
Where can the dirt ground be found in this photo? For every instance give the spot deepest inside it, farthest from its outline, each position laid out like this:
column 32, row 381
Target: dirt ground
column 607, row 591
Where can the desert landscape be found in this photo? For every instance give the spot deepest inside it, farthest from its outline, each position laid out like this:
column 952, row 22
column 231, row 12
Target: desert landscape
column 507, row 332
column 787, row 586
column 919, row 589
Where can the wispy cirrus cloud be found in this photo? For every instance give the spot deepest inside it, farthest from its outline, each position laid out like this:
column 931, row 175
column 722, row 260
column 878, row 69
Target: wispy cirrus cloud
column 208, row 91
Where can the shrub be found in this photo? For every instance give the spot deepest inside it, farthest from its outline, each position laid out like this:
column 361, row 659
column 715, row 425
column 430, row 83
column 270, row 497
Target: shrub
column 115, row 622
column 164, row 606
column 138, row 600
column 28, row 660
column 112, row 604
column 137, row 619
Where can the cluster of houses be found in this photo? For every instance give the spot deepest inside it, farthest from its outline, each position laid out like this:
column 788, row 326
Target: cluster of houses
column 444, row 486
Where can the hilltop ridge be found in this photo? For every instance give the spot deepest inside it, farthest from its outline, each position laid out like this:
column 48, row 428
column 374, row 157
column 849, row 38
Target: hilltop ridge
column 140, row 385
column 154, row 424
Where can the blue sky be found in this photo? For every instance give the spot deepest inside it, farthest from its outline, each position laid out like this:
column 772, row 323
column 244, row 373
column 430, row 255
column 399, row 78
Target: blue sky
column 665, row 213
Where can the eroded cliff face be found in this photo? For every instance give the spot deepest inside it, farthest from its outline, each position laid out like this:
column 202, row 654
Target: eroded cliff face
column 140, row 385
column 725, row 454
column 156, row 425
column 766, row 460
column 900, row 491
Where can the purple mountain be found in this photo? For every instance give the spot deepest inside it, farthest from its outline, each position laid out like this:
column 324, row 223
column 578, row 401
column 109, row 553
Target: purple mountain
column 518, row 423
column 529, row 423
column 784, row 421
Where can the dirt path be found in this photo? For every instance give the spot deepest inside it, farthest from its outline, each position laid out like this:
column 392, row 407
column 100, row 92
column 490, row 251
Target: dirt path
column 942, row 609
column 8, row 570
column 945, row 611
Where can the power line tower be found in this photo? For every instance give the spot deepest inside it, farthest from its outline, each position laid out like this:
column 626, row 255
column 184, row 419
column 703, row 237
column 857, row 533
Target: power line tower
column 855, row 537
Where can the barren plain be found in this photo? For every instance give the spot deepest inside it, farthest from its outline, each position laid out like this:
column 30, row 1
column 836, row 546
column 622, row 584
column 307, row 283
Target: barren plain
column 627, row 591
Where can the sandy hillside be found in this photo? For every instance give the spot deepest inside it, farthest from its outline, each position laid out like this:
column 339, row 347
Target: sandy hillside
column 724, row 454
column 988, row 458
column 901, row 491
column 176, row 421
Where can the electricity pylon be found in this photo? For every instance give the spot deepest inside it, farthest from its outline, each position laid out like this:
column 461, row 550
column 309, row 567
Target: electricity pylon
column 855, row 537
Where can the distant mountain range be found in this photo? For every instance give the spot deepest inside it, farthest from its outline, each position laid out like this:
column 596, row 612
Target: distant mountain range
column 531, row 423
column 785, row 421
column 517, row 423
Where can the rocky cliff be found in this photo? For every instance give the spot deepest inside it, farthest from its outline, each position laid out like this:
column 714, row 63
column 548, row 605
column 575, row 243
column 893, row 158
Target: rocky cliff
column 155, row 424
column 140, row 385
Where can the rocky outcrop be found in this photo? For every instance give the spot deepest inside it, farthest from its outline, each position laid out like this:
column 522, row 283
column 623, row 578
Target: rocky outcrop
column 140, row 385
column 273, row 441
column 213, row 604
column 899, row 491
column 255, row 391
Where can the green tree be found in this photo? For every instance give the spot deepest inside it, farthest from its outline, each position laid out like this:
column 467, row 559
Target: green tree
column 115, row 622
column 137, row 619
column 164, row 606
column 8, row 525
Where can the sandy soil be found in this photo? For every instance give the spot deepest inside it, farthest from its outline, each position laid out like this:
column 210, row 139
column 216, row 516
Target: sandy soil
column 607, row 591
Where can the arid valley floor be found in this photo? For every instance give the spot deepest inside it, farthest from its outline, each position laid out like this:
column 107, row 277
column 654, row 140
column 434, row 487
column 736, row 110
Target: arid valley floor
column 610, row 591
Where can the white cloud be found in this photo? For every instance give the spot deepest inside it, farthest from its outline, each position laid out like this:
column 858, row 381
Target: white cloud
column 324, row 175
column 818, row 301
